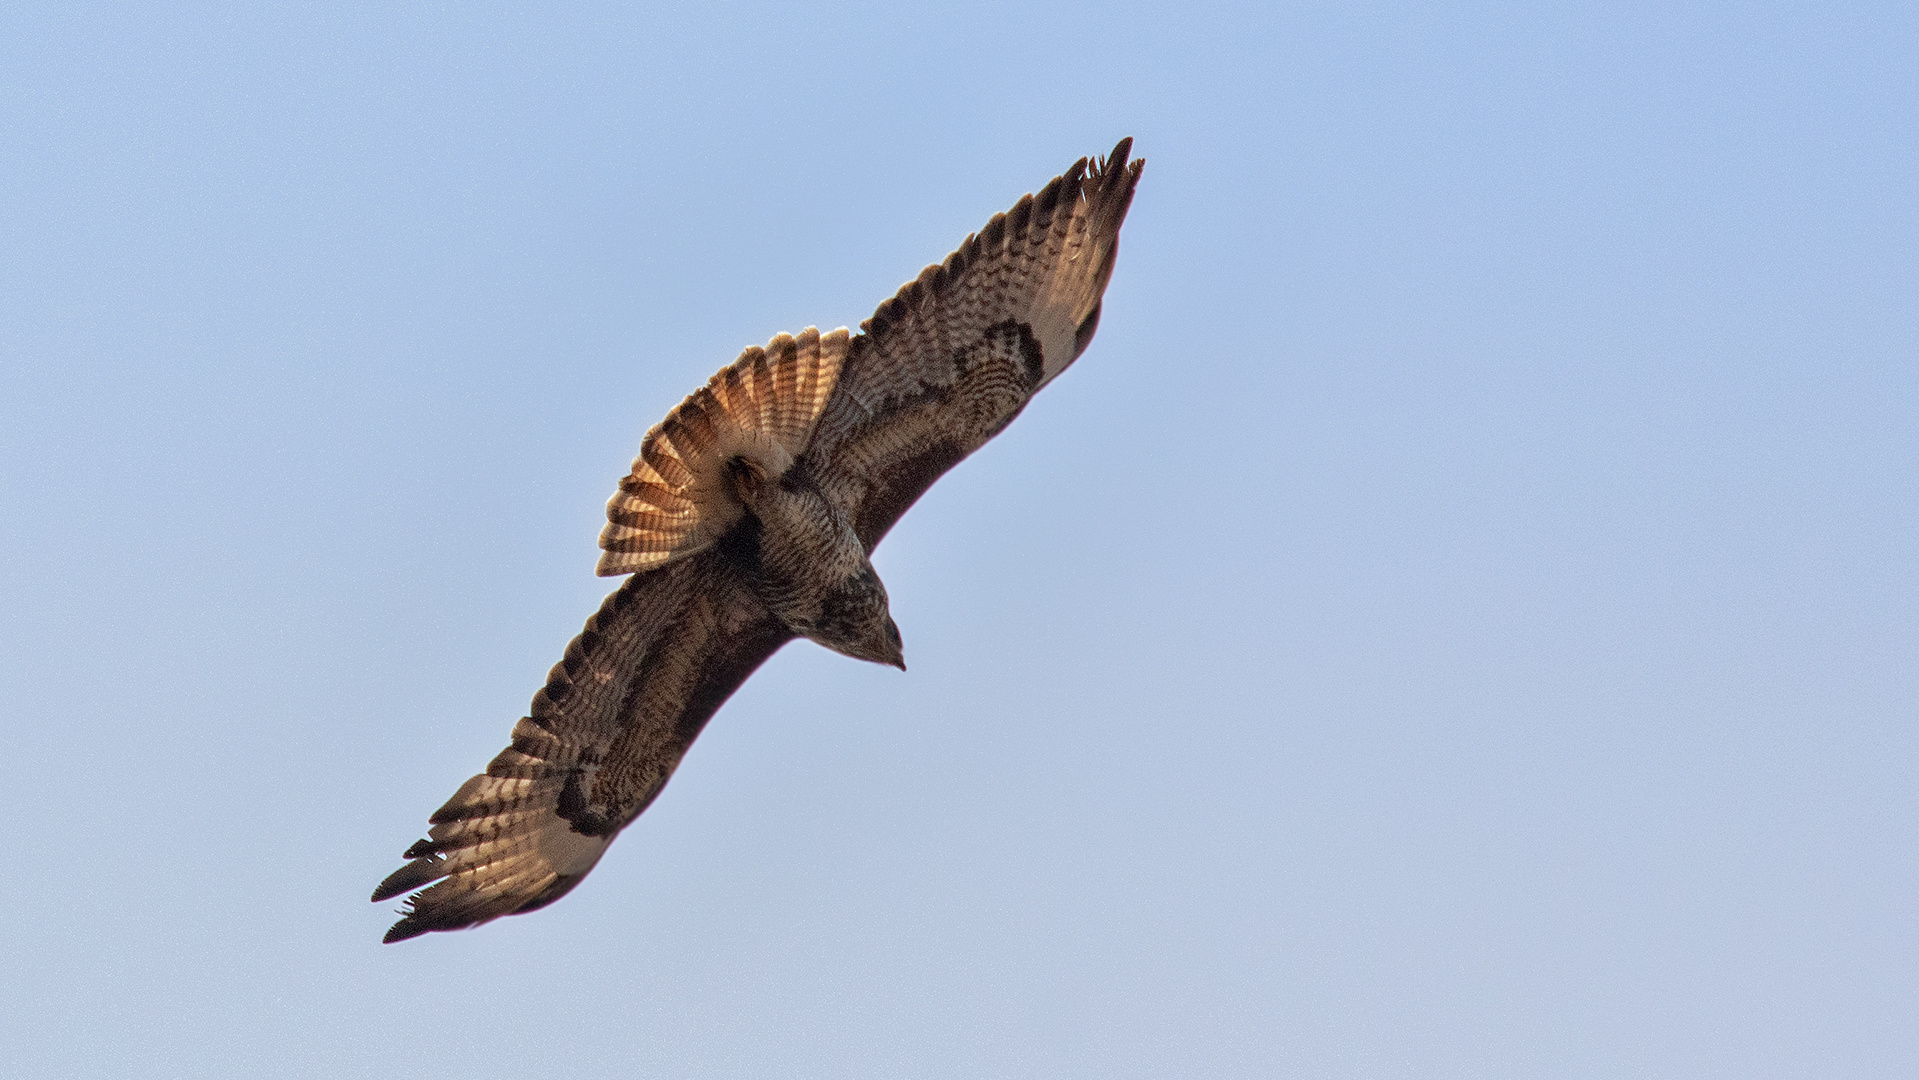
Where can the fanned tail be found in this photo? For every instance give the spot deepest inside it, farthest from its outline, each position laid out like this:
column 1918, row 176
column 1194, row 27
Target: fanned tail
column 763, row 406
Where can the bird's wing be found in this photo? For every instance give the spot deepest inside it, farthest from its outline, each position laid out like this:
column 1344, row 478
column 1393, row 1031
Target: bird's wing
column 604, row 735
column 947, row 363
column 677, row 501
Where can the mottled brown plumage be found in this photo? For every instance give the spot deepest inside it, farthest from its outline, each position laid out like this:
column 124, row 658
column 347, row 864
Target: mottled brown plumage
column 747, row 520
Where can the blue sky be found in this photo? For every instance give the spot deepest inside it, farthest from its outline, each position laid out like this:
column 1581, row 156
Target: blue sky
column 1457, row 620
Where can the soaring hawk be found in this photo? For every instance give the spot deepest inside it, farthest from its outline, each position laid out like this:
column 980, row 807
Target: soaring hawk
column 747, row 521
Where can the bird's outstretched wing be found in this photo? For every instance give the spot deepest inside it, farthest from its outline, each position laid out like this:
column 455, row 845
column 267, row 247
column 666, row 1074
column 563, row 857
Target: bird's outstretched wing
column 604, row 735
column 937, row 371
column 947, row 363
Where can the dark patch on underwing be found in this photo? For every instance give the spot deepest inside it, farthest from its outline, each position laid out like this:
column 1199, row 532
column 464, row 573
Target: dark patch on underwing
column 1032, row 356
column 798, row 477
column 1008, row 336
column 573, row 806
column 740, row 545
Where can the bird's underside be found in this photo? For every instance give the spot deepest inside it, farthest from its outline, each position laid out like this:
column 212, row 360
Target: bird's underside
column 748, row 520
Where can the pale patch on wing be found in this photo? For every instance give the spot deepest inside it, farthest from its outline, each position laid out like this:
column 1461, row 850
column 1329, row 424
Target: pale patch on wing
column 502, row 863
column 677, row 500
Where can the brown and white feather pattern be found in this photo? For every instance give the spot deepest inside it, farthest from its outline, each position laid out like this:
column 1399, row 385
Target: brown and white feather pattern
column 870, row 422
column 949, row 361
column 762, row 406
column 603, row 736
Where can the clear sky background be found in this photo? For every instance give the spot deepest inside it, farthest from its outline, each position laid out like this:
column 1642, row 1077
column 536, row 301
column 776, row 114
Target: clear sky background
column 1460, row 619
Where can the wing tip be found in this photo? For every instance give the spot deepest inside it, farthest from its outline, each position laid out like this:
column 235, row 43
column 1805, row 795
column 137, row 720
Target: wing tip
column 1106, row 182
column 423, row 915
column 1111, row 183
column 404, row 930
column 420, row 870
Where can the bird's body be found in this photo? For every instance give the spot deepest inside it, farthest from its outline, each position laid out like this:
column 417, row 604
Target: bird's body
column 748, row 520
column 801, row 557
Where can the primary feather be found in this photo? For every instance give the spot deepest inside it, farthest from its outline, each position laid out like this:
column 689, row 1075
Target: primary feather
column 748, row 519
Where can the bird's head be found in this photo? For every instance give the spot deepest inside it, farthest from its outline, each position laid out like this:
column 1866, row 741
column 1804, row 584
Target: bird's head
column 854, row 621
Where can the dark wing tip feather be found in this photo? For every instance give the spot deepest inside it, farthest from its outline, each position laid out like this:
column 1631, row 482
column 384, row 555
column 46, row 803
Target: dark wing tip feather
column 993, row 235
column 423, row 870
column 1018, row 217
column 406, row 928
column 435, row 909
column 1112, row 181
column 1048, row 196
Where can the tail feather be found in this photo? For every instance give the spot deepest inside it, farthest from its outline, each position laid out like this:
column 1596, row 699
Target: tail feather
column 677, row 499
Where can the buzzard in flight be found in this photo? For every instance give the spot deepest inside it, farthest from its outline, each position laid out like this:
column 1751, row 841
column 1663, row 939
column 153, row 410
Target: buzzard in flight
column 748, row 520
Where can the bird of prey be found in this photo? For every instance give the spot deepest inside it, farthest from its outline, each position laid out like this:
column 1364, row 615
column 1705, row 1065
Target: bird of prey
column 748, row 520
